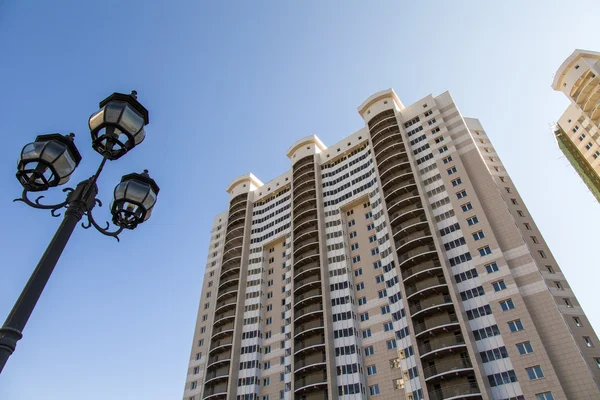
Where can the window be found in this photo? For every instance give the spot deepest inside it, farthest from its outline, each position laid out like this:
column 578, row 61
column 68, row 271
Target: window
column 493, row 267
column 358, row 272
column 204, row 317
column 507, row 189
column 369, row 351
column 558, row 285
column 542, row 254
column 366, row 333
column 451, row 170
column 514, row 201
column 443, row 149
column 588, row 341
column 377, row 264
column 524, row 348
column 596, row 154
column 388, row 326
column 484, row 251
column 461, row 194
column 391, row 344
column 354, row 246
column 534, row 239
column 375, row 251
column 549, row 269
column 472, row 221
column 588, row 146
column 507, row 305
column 597, row 362
column 266, row 381
column 447, row 159
column 534, row 372
column 267, row 365
column 352, row 234
column 364, row 317
column 568, row 303
column 356, row 259
column 582, row 137
column 478, row 235
column 498, row 286
column 374, row 390
column 544, row 396
column 520, row 213
column 527, row 226
column 456, row 182
column 371, row 370
column 362, row 301
column 351, row 223
column 577, row 321
column 516, row 325
column 360, row 286
column 385, row 309
column 203, row 329
column 466, row 207
column 379, row 279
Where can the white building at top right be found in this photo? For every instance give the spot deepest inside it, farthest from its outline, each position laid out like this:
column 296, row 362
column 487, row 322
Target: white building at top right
column 578, row 129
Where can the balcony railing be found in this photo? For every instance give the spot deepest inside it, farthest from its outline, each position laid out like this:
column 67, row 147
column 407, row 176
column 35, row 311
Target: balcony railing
column 409, row 272
column 430, row 302
column 314, row 292
column 223, row 328
column 437, row 344
column 312, row 359
column 446, row 366
column 416, row 252
column 222, row 342
column 315, row 340
column 454, row 391
column 417, row 287
column 300, row 270
column 318, row 378
column 308, row 309
column 434, row 322
column 219, row 357
column 320, row 323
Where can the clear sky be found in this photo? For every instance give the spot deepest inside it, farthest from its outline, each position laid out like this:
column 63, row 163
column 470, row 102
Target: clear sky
column 226, row 83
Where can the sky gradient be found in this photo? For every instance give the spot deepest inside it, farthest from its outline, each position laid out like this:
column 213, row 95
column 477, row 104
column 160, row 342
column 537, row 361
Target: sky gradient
column 226, row 83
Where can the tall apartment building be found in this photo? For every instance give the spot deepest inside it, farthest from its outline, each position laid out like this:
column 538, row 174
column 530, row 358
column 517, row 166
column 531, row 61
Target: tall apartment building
column 578, row 130
column 399, row 263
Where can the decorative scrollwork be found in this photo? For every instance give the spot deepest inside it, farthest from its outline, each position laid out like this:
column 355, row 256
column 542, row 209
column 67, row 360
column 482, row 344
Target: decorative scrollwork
column 36, row 203
column 105, row 231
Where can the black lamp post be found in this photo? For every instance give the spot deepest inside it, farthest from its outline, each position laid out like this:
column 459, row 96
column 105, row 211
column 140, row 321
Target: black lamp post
column 48, row 162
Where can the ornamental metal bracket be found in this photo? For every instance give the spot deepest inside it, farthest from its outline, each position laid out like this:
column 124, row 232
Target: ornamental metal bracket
column 36, row 203
column 92, row 222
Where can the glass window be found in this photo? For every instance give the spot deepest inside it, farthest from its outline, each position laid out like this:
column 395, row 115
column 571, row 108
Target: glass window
column 524, row 348
column 507, row 305
column 534, row 373
column 515, row 325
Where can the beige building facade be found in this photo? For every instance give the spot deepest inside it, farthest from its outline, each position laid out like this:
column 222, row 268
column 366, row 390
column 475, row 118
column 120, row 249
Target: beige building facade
column 399, row 263
column 578, row 129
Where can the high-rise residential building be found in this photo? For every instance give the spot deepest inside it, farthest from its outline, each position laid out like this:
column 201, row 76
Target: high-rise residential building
column 578, row 130
column 399, row 263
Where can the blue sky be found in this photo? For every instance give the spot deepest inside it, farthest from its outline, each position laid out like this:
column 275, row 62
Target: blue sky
column 225, row 83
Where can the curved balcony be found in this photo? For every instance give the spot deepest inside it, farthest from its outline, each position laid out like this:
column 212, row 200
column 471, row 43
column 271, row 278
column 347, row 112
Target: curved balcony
column 381, row 125
column 307, row 193
column 233, row 252
column 239, row 212
column 299, row 178
column 400, row 231
column 405, row 194
column 303, row 185
column 222, row 318
column 306, row 204
column 226, row 295
column 225, row 282
column 455, row 366
column 218, row 375
column 394, row 169
column 417, row 255
column 426, row 286
column 391, row 138
column 225, row 305
column 393, row 161
column 456, row 392
column 430, row 304
column 300, row 314
column 418, row 271
column 316, row 360
column 380, row 117
column 234, row 241
column 304, row 246
column 385, row 133
column 310, row 231
column 222, row 331
column 308, row 297
column 239, row 206
column 235, row 233
column 402, row 204
column 308, row 282
column 307, row 269
column 235, row 222
column 218, row 359
column 220, row 345
column 432, row 325
column 308, row 328
column 411, row 242
column 392, row 149
column 403, row 186
column 434, row 347
column 230, row 266
column 305, row 258
column 311, row 382
column 312, row 344
column 215, row 392
column 240, row 198
column 308, row 221
column 302, row 163
column 397, row 180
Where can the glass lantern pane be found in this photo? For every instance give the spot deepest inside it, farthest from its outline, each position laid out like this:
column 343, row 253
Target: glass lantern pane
column 131, row 120
column 32, row 150
column 113, row 111
column 150, row 200
column 53, row 150
column 120, row 190
column 96, row 119
column 64, row 165
column 148, row 213
column 140, row 136
column 136, row 191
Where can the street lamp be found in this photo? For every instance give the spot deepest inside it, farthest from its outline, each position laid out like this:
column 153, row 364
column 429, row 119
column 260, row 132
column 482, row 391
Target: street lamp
column 49, row 162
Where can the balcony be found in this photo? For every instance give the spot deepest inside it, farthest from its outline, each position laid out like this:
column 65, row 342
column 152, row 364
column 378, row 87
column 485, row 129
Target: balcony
column 238, row 221
column 242, row 198
column 392, row 149
column 427, row 267
column 416, row 255
column 430, row 304
column 302, row 164
column 303, row 185
column 395, row 160
column 308, row 230
column 299, row 271
column 306, row 257
column 234, row 240
column 308, row 282
column 414, row 240
column 379, row 128
column 446, row 343
column 221, row 345
column 217, row 375
column 391, row 138
column 232, row 252
column 235, row 233
column 302, row 197
column 308, row 310
column 228, row 280
column 303, row 177
column 215, row 392
column 224, row 305
column 400, row 231
column 447, row 367
column 313, row 343
column 308, row 327
column 305, row 204
column 308, row 222
column 305, row 245
column 312, row 381
column 423, row 287
column 237, row 207
column 308, row 297
column 403, row 204
column 240, row 212
column 222, row 331
column 401, row 186
column 221, row 318
column 394, row 170
column 433, row 324
column 232, row 292
column 233, row 266
column 398, row 179
column 380, row 117
column 385, row 132
column 218, row 359
column 462, row 391
column 315, row 360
